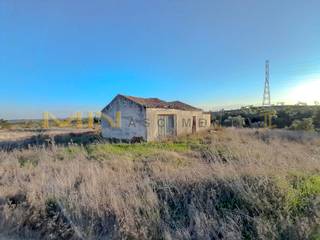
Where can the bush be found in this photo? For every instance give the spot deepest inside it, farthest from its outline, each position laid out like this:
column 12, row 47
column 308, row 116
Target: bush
column 316, row 119
column 236, row 121
column 305, row 124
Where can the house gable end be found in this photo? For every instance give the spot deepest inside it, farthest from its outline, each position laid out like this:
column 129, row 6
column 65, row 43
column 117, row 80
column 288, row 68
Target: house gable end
column 120, row 98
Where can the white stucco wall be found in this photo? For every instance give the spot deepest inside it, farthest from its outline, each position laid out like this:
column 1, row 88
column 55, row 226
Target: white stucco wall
column 132, row 120
column 183, row 121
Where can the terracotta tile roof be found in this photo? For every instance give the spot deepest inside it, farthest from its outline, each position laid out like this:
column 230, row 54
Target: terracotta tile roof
column 158, row 103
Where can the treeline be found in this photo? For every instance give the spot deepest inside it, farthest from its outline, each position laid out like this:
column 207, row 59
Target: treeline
column 290, row 117
column 30, row 124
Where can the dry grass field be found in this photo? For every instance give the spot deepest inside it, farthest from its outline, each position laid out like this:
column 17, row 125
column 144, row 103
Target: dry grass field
column 24, row 138
column 17, row 135
column 224, row 184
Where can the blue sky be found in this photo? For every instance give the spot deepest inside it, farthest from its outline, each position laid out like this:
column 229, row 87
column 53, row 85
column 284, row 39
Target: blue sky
column 76, row 55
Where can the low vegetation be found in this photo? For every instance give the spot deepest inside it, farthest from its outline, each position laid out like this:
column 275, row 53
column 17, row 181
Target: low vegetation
column 223, row 184
column 295, row 117
column 4, row 124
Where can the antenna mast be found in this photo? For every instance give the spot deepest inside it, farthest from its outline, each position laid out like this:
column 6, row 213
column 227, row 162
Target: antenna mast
column 266, row 93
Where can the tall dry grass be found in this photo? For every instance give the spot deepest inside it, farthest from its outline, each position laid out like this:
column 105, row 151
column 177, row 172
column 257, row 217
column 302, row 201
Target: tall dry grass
column 227, row 184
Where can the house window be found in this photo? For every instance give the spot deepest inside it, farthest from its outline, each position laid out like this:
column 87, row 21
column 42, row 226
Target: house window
column 166, row 125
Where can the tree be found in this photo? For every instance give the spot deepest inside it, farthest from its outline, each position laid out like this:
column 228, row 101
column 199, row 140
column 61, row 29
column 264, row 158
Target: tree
column 238, row 121
column 305, row 124
column 234, row 121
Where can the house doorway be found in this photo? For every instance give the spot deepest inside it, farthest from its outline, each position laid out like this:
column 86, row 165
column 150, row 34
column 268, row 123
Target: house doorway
column 166, row 126
column 194, row 124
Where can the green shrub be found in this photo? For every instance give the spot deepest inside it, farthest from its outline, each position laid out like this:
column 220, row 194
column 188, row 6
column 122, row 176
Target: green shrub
column 305, row 124
column 300, row 191
column 28, row 160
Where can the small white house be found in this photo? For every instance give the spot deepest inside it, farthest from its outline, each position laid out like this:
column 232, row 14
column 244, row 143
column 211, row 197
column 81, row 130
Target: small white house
column 150, row 119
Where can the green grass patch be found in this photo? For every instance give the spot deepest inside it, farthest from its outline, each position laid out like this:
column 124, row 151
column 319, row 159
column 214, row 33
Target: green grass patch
column 104, row 151
column 74, row 150
column 300, row 190
column 315, row 235
column 30, row 159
